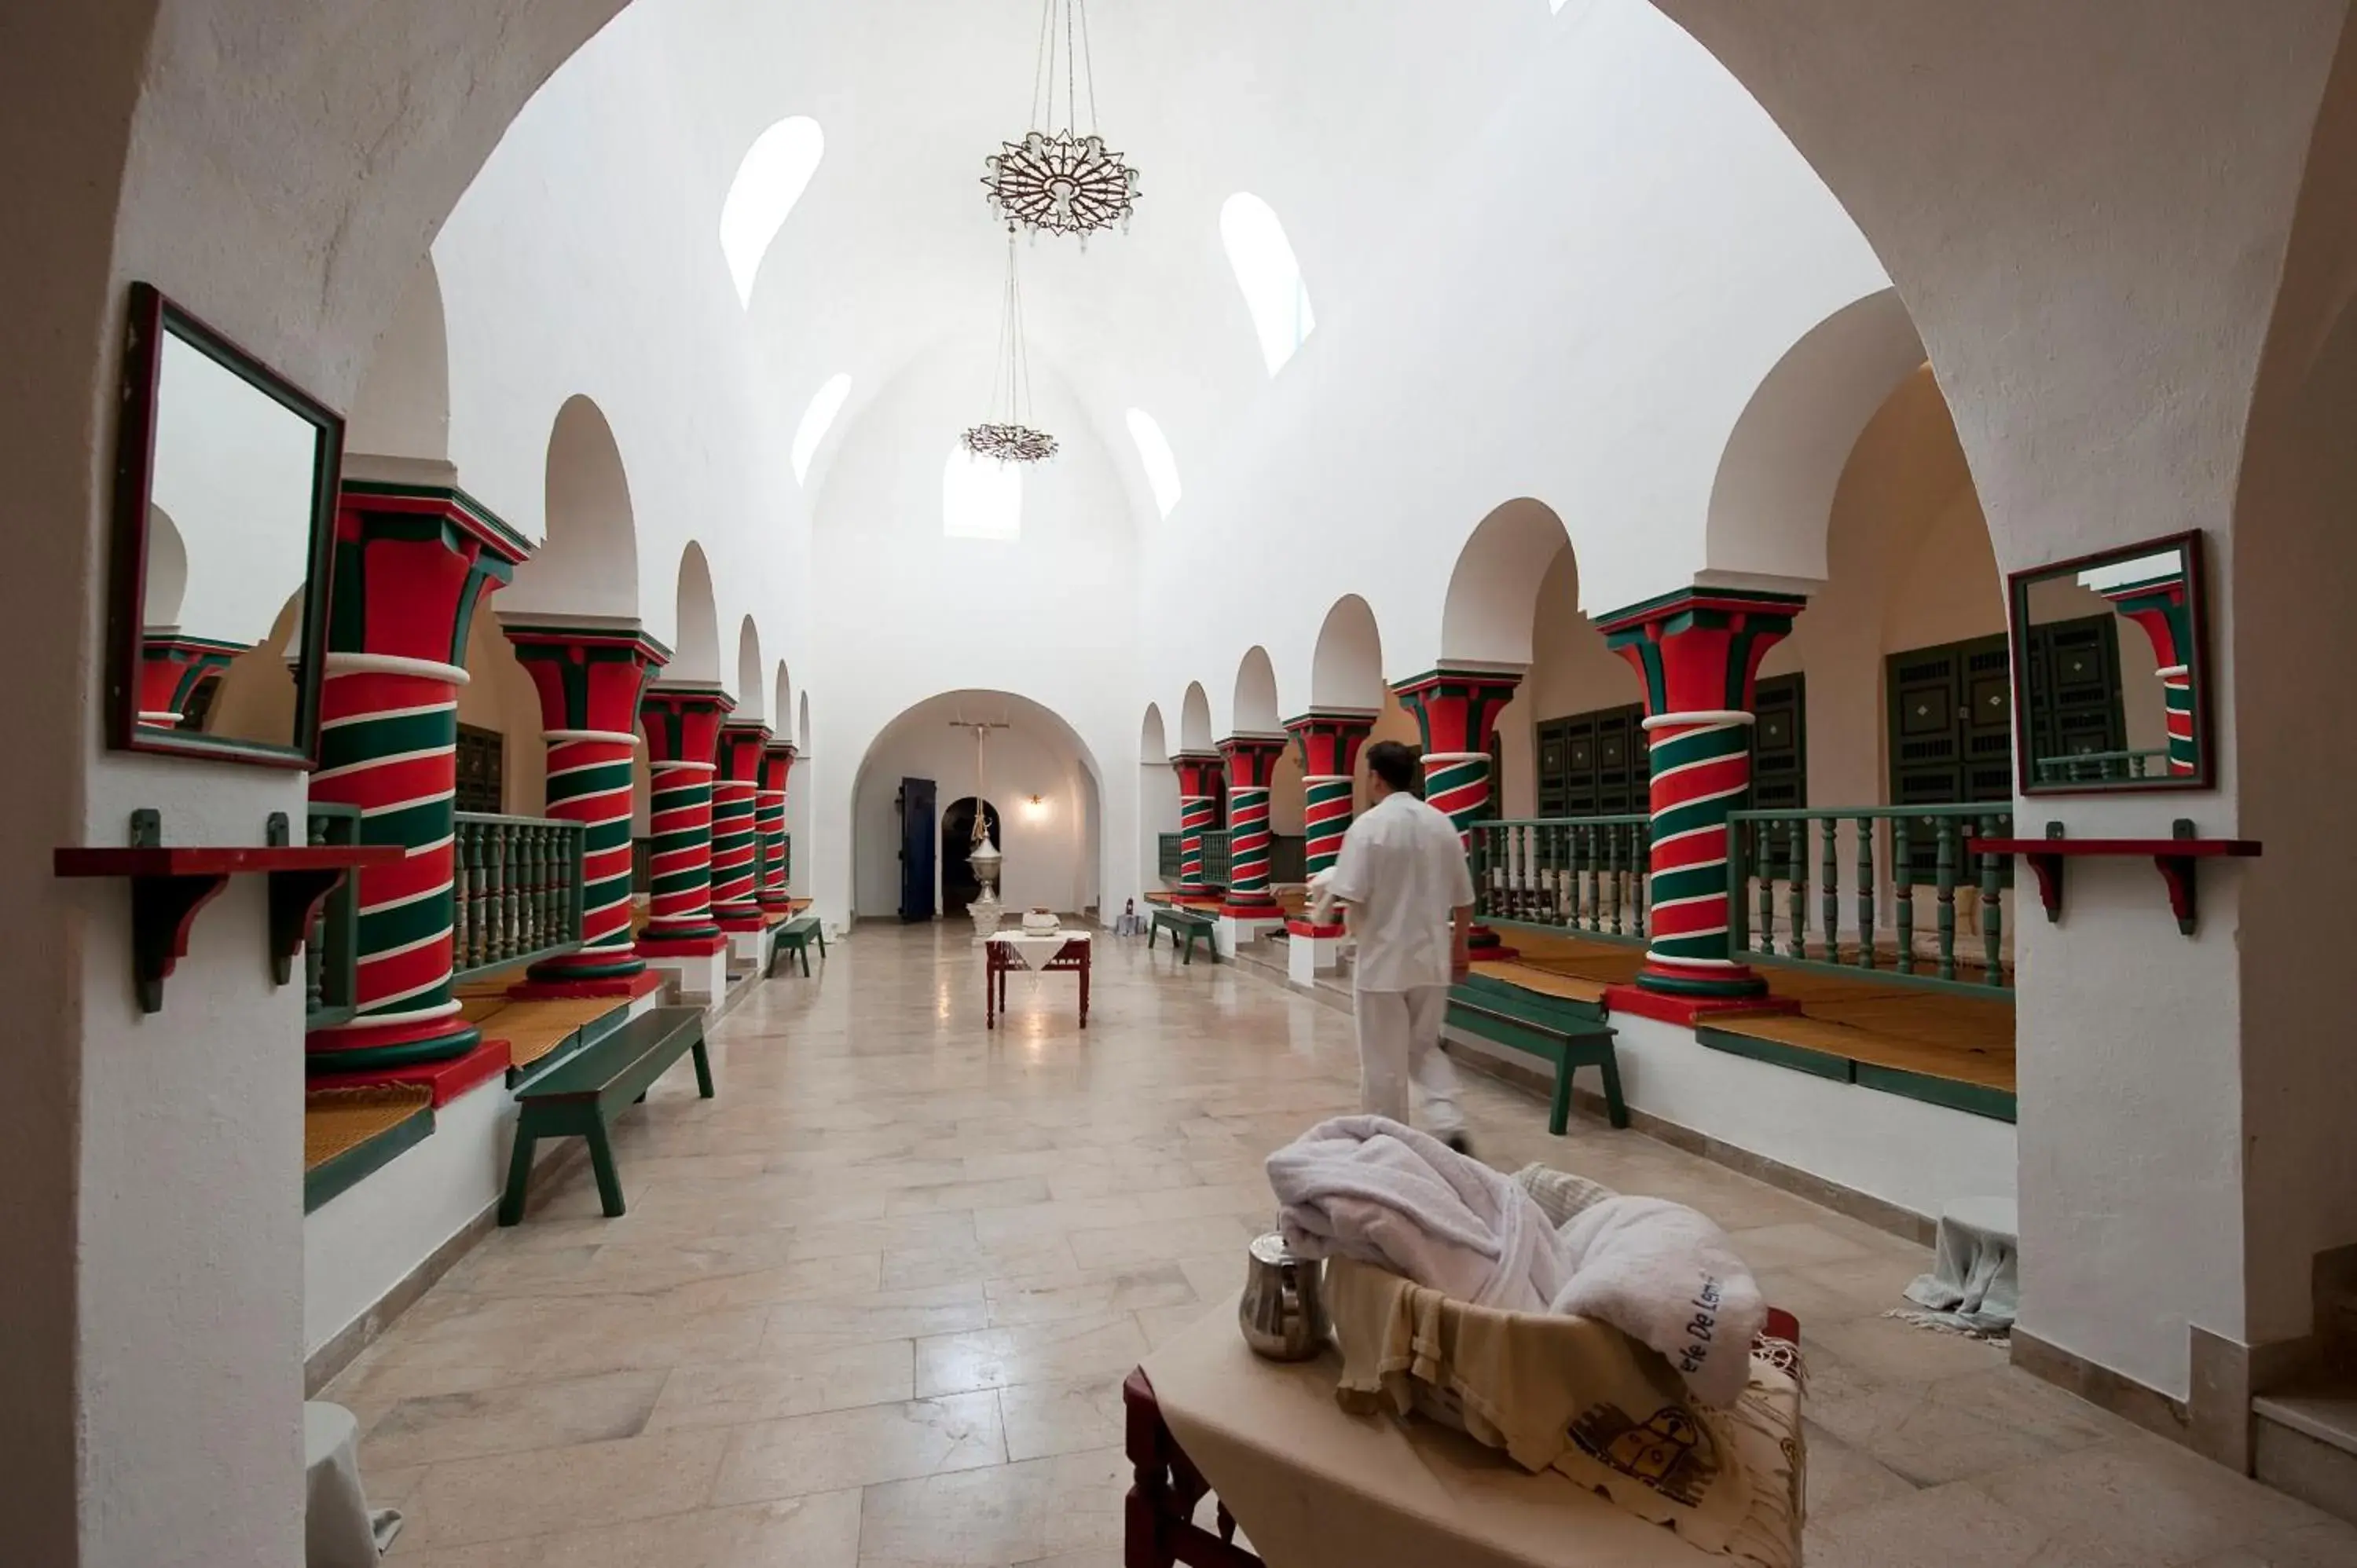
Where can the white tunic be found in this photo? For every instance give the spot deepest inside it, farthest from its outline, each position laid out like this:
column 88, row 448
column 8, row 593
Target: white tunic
column 1403, row 872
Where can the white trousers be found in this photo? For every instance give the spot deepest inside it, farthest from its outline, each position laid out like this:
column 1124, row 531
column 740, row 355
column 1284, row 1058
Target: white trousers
column 1399, row 1039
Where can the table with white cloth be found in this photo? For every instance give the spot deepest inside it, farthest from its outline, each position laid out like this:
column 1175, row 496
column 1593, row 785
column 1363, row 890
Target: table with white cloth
column 1058, row 951
column 1312, row 1486
column 339, row 1531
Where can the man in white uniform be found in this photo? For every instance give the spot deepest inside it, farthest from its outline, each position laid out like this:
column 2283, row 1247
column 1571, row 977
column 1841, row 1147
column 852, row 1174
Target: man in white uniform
column 1401, row 874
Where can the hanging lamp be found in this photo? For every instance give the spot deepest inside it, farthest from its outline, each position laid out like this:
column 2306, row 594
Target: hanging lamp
column 1007, row 433
column 1055, row 180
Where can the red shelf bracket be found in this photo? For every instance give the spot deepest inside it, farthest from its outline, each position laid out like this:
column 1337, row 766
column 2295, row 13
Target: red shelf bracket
column 2174, row 857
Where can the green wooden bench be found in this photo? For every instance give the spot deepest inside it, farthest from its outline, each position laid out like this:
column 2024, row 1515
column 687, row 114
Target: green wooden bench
column 1566, row 1042
column 1183, row 923
column 581, row 1097
column 794, row 940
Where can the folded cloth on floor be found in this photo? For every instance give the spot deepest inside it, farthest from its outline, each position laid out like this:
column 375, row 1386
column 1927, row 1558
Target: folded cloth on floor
column 1669, row 1278
column 1579, row 1396
column 1371, row 1188
column 1974, row 1286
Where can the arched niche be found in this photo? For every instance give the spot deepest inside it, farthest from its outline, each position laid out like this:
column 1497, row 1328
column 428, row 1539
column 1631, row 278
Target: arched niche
column 695, row 638
column 1194, row 719
column 1493, row 590
column 403, row 406
column 783, row 696
column 167, row 571
column 1153, row 751
column 1347, row 668
column 588, row 565
column 752, row 691
column 1255, row 710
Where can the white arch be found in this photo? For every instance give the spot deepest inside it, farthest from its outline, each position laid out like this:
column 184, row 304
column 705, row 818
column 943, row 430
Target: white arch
column 1347, row 668
column 1153, row 749
column 403, row 406
column 1255, row 710
column 1493, row 593
column 783, row 697
column 752, row 691
column 1772, row 498
column 1194, row 719
column 1270, row 276
column 776, row 171
column 588, row 565
column 695, row 635
column 802, row 723
column 167, row 571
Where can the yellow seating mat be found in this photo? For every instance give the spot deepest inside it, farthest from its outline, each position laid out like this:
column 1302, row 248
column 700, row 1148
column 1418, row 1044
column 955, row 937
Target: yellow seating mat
column 338, row 1120
column 536, row 1026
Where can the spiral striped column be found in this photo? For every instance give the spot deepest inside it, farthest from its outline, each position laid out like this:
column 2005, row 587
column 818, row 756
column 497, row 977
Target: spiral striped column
column 1251, row 760
column 412, row 565
column 735, row 836
column 1199, row 814
column 683, row 729
column 1457, row 714
column 1698, row 652
column 769, row 817
column 590, row 680
column 2155, row 595
column 1328, row 742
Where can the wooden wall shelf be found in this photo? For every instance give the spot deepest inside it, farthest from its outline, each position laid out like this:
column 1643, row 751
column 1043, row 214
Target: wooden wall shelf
column 2174, row 856
column 170, row 883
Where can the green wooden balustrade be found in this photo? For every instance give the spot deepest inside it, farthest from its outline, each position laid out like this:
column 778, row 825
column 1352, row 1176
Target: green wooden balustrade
column 331, row 948
column 1168, row 861
column 1217, row 859
column 518, row 894
column 1795, row 852
column 2102, row 767
column 1584, row 874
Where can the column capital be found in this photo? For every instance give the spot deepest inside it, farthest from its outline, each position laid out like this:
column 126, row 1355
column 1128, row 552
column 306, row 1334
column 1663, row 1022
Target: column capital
column 1457, row 707
column 172, row 665
column 413, row 564
column 1250, row 760
column 740, row 749
column 1330, row 740
column 682, row 722
column 590, row 677
column 1697, row 650
column 1199, row 772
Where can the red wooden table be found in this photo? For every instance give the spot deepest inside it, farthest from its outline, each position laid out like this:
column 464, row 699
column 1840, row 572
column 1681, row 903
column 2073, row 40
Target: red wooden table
column 999, row 961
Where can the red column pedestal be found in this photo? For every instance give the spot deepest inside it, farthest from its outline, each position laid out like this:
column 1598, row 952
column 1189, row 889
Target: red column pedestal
column 769, row 807
column 1330, row 741
column 1198, row 812
column 412, row 566
column 1698, row 653
column 683, row 729
column 1250, row 760
column 1456, row 716
column 735, row 831
column 590, row 680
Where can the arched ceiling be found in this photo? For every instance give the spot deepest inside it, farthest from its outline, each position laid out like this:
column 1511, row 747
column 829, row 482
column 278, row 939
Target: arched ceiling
column 891, row 251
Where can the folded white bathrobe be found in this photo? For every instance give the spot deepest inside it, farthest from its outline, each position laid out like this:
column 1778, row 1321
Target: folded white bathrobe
column 1370, row 1188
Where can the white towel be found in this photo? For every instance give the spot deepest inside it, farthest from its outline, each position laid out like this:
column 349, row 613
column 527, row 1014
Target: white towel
column 1666, row 1276
column 1370, row 1188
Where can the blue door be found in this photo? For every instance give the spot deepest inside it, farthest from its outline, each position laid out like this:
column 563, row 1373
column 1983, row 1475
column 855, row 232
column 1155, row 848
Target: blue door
column 916, row 849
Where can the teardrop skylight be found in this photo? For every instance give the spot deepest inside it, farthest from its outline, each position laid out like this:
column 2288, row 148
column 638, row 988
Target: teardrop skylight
column 1269, row 275
column 817, row 419
column 776, row 171
column 1154, row 452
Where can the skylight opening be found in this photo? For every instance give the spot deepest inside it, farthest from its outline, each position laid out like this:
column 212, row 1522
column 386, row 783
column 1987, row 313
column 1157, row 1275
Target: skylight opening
column 817, row 419
column 1154, row 451
column 1269, row 275
column 980, row 498
column 776, row 171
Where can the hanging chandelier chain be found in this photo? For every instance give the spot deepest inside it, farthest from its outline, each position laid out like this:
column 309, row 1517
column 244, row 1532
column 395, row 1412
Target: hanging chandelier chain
column 1043, row 79
column 1056, row 178
column 1088, row 65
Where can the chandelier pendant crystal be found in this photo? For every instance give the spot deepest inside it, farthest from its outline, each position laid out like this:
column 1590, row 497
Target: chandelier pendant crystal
column 1061, row 181
column 1007, row 433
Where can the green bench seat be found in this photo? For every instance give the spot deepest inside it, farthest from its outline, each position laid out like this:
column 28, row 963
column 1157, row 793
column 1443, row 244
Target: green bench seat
column 581, row 1097
column 793, row 941
column 1569, row 1043
column 1183, row 923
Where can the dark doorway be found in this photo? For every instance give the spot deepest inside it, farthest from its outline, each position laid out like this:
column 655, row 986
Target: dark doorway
column 959, row 887
column 915, row 803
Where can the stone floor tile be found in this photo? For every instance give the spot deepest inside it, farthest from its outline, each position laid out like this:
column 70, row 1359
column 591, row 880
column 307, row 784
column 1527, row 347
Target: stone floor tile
column 1017, row 1513
column 1069, row 1417
column 858, row 1447
column 821, row 1530
column 2146, row 1497
column 1084, row 1293
column 508, row 1420
column 804, row 1382
column 1031, row 1353
column 460, row 1501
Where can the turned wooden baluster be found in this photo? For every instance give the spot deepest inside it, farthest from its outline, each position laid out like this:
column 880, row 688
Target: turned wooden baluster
column 1866, row 892
column 1945, row 892
column 1796, row 888
column 1763, row 845
column 1992, row 907
column 1902, row 887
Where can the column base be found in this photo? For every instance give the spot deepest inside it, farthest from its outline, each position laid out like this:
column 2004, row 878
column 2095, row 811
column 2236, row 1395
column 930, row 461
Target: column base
column 777, row 909
column 555, row 985
column 1679, row 993
column 702, row 971
column 1251, row 907
column 1488, row 947
column 696, row 942
column 363, row 1046
column 1311, row 950
column 735, row 918
column 447, row 1080
column 1229, row 932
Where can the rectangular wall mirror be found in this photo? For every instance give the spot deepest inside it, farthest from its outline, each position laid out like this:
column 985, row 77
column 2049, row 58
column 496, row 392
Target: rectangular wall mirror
column 2110, row 674
column 224, row 519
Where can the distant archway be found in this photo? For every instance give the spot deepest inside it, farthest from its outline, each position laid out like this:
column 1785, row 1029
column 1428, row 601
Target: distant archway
column 959, row 887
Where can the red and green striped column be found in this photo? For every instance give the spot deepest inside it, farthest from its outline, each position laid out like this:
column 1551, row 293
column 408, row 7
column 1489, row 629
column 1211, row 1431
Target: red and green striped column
column 1329, row 741
column 590, row 680
column 172, row 666
column 1250, row 761
column 683, row 729
column 769, row 821
column 2156, row 599
column 412, row 565
column 1698, row 653
column 1457, row 714
column 736, row 828
column 1199, row 814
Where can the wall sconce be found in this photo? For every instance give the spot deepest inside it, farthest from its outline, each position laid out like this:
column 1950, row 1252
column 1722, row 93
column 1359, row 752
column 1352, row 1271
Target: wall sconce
column 1035, row 807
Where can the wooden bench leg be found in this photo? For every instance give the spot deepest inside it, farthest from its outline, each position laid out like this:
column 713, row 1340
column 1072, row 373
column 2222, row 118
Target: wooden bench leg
column 601, row 1164
column 1615, row 1108
column 803, row 948
column 518, row 1177
column 819, row 936
column 703, row 1066
column 1559, row 1113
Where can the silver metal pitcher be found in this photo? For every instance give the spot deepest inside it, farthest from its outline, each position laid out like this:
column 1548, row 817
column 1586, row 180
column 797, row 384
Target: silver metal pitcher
column 1282, row 1309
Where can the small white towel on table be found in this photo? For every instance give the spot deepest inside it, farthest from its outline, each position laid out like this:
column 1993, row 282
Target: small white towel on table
column 1033, row 951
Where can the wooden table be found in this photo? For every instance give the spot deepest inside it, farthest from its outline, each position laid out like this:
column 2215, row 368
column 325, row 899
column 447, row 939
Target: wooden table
column 1000, row 960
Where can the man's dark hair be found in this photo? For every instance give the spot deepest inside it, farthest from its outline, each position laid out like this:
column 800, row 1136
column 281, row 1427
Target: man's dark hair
column 1393, row 763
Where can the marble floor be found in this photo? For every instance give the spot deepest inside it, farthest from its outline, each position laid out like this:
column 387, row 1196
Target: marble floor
column 871, row 1306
